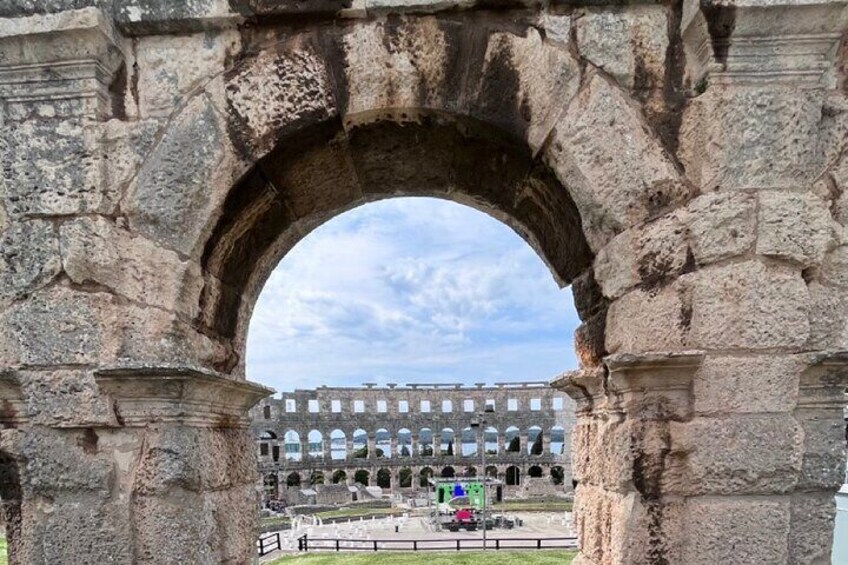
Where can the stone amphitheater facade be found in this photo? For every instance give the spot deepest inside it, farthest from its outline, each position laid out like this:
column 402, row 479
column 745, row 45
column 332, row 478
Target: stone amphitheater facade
column 399, row 435
column 682, row 165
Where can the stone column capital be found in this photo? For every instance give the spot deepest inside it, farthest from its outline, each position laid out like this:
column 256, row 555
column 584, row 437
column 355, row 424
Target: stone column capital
column 70, row 55
column 758, row 42
column 186, row 395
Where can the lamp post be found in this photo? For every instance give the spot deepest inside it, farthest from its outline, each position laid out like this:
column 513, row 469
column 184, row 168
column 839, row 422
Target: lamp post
column 481, row 422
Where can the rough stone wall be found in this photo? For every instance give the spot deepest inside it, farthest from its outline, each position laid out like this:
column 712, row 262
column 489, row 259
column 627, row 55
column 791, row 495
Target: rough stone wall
column 682, row 165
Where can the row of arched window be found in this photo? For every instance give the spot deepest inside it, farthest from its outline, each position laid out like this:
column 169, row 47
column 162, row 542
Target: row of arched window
column 383, row 477
column 429, row 443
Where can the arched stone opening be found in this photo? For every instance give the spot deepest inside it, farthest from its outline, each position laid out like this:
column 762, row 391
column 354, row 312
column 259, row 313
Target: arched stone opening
column 362, row 477
column 535, row 441
column 513, row 476
column 360, row 444
column 424, row 477
column 338, row 445
column 535, row 472
column 557, row 475
column 270, row 486
column 384, row 478
column 469, row 472
column 405, row 477
column 291, row 446
column 404, row 443
column 448, row 472
column 512, row 440
column 194, row 252
column 293, row 480
column 447, row 441
column 339, row 477
column 382, row 444
column 425, row 442
column 316, row 478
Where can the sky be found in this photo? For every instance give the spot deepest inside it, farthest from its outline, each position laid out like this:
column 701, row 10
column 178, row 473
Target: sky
column 410, row 290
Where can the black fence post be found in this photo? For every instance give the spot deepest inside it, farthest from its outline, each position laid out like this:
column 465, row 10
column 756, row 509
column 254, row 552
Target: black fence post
column 337, row 545
column 538, row 544
column 497, row 544
column 415, row 542
column 375, row 545
column 279, row 545
column 457, row 545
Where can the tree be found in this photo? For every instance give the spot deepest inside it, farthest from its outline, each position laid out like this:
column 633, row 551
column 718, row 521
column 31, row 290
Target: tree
column 536, row 448
column 514, row 444
column 450, row 448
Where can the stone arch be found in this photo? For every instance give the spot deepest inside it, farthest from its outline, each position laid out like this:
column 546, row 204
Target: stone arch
column 291, row 446
column 448, row 472
column 384, row 478
column 468, row 442
column 490, row 440
column 512, row 440
column 359, row 443
column 362, row 477
column 338, row 445
column 339, row 476
column 557, row 475
column 293, row 479
column 315, row 443
column 535, row 440
column 447, row 442
column 404, row 443
column 512, row 476
column 317, row 478
column 535, row 472
column 525, row 158
column 469, row 472
column 424, row 476
column 492, row 471
column 557, row 446
column 405, row 477
column 425, row 442
column 382, row 444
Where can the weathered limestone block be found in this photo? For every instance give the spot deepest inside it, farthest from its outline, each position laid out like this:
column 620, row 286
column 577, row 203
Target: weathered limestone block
column 65, row 398
column 94, row 249
column 525, row 85
column 397, row 65
column 62, row 326
column 827, row 331
column 721, row 225
column 811, row 528
column 125, row 144
column 51, row 167
column 748, row 305
column 737, row 530
column 82, row 526
column 794, row 226
column 649, row 256
column 184, row 179
column 57, row 462
column 757, row 137
column 614, row 167
column 22, row 272
column 725, row 384
column 834, row 270
column 751, row 454
column 294, row 76
column 170, row 67
column 650, row 321
column 629, row 44
column 55, row 327
column 196, row 460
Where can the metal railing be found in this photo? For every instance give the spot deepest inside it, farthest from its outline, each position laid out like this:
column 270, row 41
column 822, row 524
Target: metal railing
column 456, row 544
column 269, row 543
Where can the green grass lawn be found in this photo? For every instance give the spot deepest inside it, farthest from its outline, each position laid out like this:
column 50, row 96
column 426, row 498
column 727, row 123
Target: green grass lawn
column 432, row 558
column 534, row 506
column 4, row 558
column 354, row 511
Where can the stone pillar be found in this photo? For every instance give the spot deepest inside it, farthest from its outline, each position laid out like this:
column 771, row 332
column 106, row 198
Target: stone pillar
column 372, row 446
column 630, row 459
column 413, row 446
column 393, row 447
column 546, row 442
column 348, row 447
column 112, row 468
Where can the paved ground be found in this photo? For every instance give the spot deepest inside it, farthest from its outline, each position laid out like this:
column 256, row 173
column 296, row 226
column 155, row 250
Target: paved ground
column 362, row 534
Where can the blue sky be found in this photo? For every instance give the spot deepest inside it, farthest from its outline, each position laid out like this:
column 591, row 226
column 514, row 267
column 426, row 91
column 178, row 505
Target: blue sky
column 410, row 290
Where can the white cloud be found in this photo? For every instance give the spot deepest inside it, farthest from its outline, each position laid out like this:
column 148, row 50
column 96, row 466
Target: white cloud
column 410, row 289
